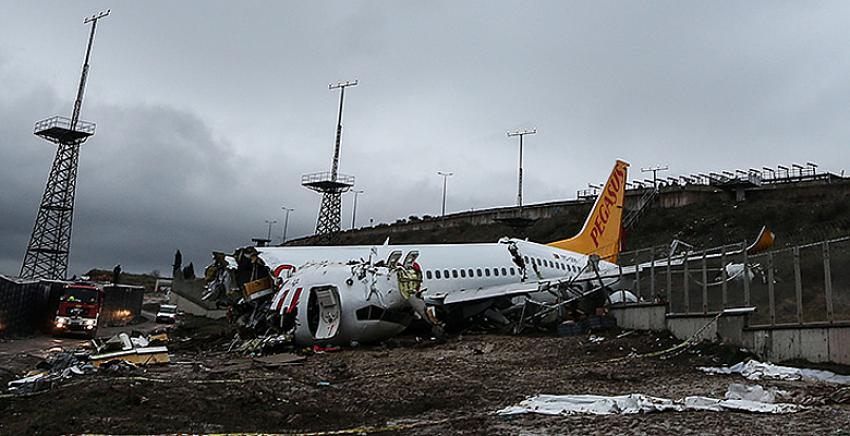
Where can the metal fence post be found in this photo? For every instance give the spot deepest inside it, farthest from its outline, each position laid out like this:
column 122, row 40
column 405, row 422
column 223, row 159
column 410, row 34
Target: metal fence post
column 746, row 274
column 704, row 283
column 652, row 273
column 798, row 285
column 771, row 297
column 620, row 274
column 669, row 277
column 686, row 287
column 723, row 278
column 637, row 273
column 827, row 280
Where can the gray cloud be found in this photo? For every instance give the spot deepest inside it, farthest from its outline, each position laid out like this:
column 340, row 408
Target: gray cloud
column 208, row 115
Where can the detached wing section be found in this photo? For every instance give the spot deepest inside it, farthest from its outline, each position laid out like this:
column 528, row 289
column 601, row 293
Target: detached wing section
column 470, row 295
column 560, row 289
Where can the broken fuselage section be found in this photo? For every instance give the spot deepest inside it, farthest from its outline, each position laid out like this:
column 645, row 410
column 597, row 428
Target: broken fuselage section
column 326, row 303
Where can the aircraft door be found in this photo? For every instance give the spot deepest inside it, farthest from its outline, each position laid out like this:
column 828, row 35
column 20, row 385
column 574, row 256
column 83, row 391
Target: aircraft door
column 324, row 312
column 410, row 258
column 392, row 260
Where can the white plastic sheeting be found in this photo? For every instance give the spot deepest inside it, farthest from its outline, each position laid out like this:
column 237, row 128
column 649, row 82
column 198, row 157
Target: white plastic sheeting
column 739, row 399
column 755, row 370
column 754, row 393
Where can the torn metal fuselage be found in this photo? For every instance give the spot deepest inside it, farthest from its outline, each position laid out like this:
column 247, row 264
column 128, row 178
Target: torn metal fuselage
column 327, row 303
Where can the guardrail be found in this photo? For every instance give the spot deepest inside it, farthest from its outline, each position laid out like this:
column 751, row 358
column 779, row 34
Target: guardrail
column 64, row 123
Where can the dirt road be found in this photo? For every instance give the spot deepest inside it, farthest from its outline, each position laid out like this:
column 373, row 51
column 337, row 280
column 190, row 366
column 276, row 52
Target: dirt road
column 409, row 388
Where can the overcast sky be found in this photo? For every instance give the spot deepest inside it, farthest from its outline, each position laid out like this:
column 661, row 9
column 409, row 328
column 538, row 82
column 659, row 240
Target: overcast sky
column 209, row 112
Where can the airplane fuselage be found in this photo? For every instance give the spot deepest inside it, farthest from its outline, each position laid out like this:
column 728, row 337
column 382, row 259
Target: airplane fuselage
column 448, row 268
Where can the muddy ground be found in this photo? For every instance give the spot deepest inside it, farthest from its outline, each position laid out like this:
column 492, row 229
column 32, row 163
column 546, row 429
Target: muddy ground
column 407, row 387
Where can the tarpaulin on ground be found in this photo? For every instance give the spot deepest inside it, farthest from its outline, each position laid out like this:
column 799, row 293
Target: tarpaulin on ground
column 738, row 400
column 755, row 370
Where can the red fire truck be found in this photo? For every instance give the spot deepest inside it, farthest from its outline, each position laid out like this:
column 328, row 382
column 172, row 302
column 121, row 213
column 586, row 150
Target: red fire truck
column 79, row 308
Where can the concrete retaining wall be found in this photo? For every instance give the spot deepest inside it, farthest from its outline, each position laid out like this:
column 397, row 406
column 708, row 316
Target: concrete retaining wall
column 827, row 343
column 641, row 316
column 815, row 344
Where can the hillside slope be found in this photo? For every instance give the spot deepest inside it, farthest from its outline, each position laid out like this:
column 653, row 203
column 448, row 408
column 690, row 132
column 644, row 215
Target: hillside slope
column 797, row 213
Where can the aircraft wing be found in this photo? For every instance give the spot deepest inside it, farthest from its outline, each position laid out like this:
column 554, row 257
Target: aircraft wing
column 468, row 295
column 570, row 286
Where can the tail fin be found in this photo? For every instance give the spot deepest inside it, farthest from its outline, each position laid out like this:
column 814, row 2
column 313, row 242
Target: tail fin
column 602, row 232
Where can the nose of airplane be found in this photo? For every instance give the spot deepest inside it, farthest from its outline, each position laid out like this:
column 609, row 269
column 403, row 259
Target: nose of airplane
column 338, row 304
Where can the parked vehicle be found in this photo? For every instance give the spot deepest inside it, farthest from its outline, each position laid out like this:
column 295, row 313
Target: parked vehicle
column 79, row 309
column 167, row 314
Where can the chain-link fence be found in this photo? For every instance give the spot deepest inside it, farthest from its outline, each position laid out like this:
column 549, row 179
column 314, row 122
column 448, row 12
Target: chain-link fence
column 797, row 285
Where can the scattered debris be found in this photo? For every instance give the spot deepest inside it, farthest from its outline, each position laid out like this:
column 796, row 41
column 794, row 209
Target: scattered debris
column 755, row 370
column 136, row 350
column 262, row 345
column 626, row 333
column 595, row 339
column 639, row 403
column 119, row 354
column 56, row 367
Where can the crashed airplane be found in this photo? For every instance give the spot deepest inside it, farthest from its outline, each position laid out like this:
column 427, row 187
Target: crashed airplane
column 342, row 295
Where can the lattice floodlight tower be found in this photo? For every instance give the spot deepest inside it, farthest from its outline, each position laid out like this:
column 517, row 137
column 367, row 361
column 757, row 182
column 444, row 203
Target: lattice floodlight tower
column 331, row 184
column 50, row 243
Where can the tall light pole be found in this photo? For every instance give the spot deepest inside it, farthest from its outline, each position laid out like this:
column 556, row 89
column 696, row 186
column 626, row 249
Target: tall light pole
column 654, row 170
column 445, row 176
column 270, row 222
column 333, row 184
column 354, row 210
column 521, row 134
column 285, row 223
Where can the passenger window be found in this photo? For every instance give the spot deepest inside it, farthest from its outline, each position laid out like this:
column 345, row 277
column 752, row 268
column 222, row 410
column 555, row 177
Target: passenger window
column 504, row 271
column 437, row 274
column 471, row 273
column 478, row 272
column 463, row 273
column 446, row 273
column 512, row 272
column 454, row 273
column 526, row 259
column 428, row 274
column 487, row 272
